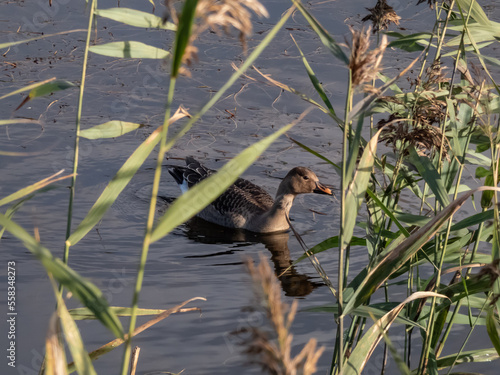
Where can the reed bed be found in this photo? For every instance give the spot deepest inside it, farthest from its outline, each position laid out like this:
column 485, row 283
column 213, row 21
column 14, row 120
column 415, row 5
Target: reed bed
column 442, row 127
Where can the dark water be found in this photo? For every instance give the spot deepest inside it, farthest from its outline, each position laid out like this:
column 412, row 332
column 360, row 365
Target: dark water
column 195, row 260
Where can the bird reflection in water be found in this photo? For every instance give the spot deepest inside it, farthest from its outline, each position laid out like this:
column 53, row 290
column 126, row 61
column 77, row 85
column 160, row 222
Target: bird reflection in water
column 293, row 283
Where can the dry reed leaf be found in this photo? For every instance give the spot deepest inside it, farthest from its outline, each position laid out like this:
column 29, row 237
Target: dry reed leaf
column 133, row 360
column 55, row 358
column 180, row 113
column 117, row 342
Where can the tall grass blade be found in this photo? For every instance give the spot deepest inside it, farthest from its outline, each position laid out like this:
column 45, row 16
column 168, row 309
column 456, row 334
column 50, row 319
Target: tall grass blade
column 324, row 36
column 115, row 187
column 317, row 84
column 357, row 188
column 46, row 89
column 477, row 356
column 27, row 88
column 119, row 181
column 493, row 329
column 202, row 194
column 74, row 341
column 17, row 42
column 476, row 11
column 183, row 34
column 55, row 358
column 248, row 62
column 85, row 291
column 129, row 50
column 135, row 18
column 431, row 176
column 409, row 43
column 391, row 262
column 18, row 121
column 117, row 342
column 34, row 187
column 365, row 347
column 388, row 212
column 315, row 153
column 83, row 313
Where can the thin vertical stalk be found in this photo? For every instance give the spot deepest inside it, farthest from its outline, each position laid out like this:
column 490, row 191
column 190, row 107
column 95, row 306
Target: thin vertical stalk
column 77, row 133
column 149, row 226
column 469, row 334
column 442, row 241
column 345, row 149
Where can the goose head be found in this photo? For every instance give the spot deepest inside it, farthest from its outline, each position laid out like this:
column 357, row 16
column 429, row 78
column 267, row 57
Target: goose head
column 301, row 180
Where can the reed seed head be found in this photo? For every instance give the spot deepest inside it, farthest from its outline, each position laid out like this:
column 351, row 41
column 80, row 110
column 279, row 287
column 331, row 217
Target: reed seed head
column 363, row 62
column 217, row 15
column 382, row 15
column 402, row 133
column 271, row 347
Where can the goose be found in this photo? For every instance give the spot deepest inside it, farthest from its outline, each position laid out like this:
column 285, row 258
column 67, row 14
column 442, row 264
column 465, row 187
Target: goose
column 245, row 205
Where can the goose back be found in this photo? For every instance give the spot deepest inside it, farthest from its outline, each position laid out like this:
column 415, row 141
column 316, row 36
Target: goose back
column 242, row 201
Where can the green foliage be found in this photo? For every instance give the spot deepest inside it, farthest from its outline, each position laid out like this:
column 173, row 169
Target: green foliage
column 438, row 129
column 110, row 129
column 130, row 50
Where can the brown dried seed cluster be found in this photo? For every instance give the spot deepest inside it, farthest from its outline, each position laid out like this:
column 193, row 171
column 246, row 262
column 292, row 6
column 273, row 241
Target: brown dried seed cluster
column 218, row 15
column 426, row 138
column 363, row 62
column 382, row 15
column 272, row 348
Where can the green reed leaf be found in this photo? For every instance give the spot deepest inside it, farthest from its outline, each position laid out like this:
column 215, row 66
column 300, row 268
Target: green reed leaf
column 115, row 187
column 83, row 363
column 476, row 356
column 21, row 193
column 476, row 11
column 409, row 43
column 390, row 262
column 430, row 174
column 317, row 85
column 17, row 42
column 45, row 89
column 129, row 50
column 324, row 36
column 110, row 129
column 493, row 329
column 183, row 34
column 88, row 294
column 357, row 188
column 135, row 18
column 83, row 313
column 366, row 345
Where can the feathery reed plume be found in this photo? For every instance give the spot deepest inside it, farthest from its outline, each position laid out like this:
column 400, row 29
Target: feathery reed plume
column 275, row 354
column 364, row 64
column 382, row 15
column 216, row 15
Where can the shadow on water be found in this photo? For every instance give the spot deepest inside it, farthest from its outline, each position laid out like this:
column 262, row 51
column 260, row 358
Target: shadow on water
column 293, row 283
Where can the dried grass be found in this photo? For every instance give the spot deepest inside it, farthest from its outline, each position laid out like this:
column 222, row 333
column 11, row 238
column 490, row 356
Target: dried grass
column 426, row 138
column 363, row 62
column 271, row 348
column 382, row 15
column 218, row 15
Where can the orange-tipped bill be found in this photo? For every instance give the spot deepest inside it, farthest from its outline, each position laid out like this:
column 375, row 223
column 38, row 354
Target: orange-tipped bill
column 322, row 189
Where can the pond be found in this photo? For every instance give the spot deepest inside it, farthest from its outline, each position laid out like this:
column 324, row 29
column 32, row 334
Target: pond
column 196, row 259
